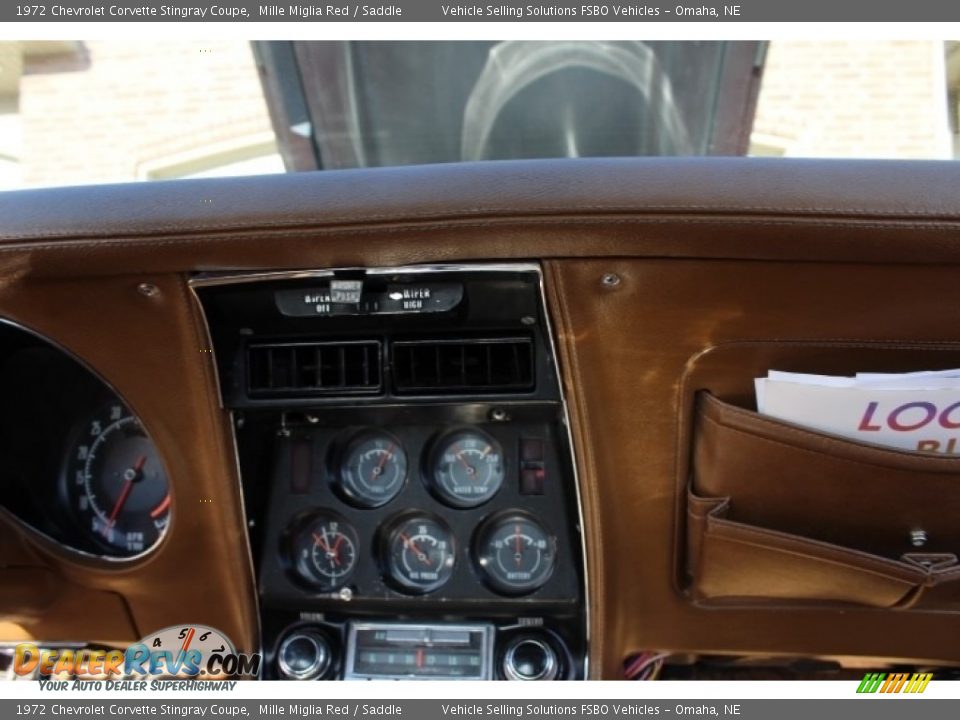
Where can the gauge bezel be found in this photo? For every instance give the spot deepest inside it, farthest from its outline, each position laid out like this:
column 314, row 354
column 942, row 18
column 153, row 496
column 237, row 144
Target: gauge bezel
column 340, row 452
column 312, row 579
column 388, row 534
column 482, row 537
column 435, row 450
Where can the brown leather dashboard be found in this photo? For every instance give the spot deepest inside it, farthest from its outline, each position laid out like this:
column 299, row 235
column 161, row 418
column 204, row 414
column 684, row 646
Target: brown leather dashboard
column 663, row 278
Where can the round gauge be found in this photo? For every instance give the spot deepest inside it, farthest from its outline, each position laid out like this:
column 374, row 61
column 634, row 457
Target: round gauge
column 116, row 486
column 419, row 552
column 325, row 550
column 515, row 553
column 372, row 469
column 466, row 468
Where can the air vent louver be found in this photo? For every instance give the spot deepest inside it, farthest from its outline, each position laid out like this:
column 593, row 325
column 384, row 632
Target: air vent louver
column 314, row 368
column 446, row 367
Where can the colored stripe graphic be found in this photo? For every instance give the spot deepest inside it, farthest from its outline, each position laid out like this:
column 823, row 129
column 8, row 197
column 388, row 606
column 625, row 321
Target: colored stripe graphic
column 895, row 683
column 871, row 682
column 919, row 682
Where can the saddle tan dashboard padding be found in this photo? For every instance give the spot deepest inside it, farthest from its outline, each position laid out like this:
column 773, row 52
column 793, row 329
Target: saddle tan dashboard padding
column 724, row 268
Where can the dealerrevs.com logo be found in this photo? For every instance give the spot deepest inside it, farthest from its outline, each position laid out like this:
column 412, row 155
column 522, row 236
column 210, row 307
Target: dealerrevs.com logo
column 894, row 682
column 194, row 652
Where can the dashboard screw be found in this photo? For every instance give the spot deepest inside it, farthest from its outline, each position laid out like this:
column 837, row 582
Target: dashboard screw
column 499, row 415
column 148, row 289
column 610, row 280
column 918, row 538
column 346, row 594
column 528, row 320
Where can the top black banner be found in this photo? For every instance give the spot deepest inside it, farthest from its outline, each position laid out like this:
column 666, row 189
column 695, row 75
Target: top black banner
column 858, row 11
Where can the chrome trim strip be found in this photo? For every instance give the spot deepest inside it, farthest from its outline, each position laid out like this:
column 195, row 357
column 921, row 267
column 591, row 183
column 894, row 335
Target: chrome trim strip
column 251, row 567
column 228, row 278
column 548, row 321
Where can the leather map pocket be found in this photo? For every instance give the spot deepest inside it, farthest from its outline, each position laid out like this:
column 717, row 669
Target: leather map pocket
column 779, row 513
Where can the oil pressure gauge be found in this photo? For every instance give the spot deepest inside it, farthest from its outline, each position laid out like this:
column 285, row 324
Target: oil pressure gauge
column 419, row 552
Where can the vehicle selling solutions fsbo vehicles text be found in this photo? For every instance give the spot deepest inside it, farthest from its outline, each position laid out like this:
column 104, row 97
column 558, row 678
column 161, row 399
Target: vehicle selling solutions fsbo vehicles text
column 587, row 11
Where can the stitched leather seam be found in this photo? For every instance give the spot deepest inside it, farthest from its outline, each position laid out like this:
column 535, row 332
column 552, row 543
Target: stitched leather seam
column 24, row 238
column 512, row 212
column 857, row 561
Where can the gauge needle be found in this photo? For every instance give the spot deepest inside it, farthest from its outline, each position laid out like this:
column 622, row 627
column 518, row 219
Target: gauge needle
column 378, row 470
column 516, row 544
column 332, row 552
column 468, row 466
column 421, row 556
column 130, row 477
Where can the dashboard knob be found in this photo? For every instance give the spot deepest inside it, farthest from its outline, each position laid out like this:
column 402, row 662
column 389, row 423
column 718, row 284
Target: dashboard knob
column 304, row 655
column 530, row 658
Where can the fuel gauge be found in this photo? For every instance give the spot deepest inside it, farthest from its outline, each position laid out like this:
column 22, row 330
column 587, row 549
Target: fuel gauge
column 372, row 469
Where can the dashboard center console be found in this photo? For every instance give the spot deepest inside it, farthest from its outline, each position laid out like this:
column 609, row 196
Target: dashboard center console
column 407, row 472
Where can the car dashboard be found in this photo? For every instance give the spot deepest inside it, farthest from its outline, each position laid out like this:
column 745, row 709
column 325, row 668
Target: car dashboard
column 478, row 421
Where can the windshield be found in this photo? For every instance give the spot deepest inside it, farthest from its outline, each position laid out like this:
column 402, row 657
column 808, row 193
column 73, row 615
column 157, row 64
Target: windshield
column 111, row 111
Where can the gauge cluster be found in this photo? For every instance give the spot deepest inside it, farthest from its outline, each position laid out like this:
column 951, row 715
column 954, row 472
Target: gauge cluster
column 80, row 468
column 407, row 472
column 410, row 513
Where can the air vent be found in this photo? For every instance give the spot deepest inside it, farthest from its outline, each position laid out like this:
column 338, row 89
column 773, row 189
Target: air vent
column 314, row 368
column 492, row 365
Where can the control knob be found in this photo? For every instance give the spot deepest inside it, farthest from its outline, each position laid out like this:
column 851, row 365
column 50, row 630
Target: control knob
column 528, row 657
column 304, row 655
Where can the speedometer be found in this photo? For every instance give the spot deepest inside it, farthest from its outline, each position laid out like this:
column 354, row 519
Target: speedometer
column 116, row 487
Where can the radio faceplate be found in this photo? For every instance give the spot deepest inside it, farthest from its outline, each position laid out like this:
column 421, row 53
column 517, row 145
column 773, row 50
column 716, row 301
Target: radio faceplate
column 399, row 651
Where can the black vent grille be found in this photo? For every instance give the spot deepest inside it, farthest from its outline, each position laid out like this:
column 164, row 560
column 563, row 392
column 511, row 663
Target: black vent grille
column 314, row 368
column 492, row 365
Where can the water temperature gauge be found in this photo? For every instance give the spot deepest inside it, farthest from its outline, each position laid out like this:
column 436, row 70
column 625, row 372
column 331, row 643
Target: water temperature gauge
column 324, row 550
column 466, row 468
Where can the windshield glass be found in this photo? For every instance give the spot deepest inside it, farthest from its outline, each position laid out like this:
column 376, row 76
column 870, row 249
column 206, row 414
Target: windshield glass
column 109, row 111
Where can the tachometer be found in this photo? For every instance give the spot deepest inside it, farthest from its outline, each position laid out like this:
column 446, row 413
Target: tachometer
column 116, row 486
